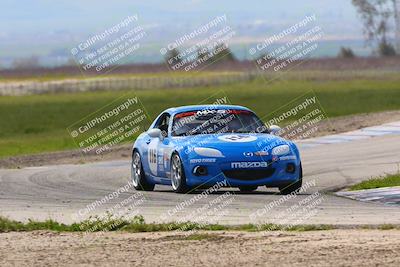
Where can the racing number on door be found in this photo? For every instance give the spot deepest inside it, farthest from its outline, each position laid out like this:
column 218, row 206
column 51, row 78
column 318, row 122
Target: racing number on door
column 152, row 156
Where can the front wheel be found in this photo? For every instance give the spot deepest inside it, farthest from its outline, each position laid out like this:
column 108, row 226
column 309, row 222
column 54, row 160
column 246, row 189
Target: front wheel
column 137, row 174
column 293, row 187
column 178, row 179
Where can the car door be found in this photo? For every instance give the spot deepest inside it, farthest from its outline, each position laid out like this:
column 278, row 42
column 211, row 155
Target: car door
column 158, row 148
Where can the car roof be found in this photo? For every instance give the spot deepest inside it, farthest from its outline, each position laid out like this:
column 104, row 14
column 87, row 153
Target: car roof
column 176, row 110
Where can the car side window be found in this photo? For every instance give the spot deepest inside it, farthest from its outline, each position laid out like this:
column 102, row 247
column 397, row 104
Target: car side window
column 162, row 124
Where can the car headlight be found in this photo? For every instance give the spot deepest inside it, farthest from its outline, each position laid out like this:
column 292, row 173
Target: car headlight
column 281, row 150
column 208, row 152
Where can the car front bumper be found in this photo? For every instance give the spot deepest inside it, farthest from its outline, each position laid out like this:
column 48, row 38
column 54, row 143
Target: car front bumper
column 275, row 175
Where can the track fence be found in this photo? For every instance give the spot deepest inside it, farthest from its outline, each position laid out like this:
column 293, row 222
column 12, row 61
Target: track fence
column 118, row 83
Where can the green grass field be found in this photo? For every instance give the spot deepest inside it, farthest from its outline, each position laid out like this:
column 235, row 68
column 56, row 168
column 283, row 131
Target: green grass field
column 138, row 224
column 37, row 123
column 387, row 181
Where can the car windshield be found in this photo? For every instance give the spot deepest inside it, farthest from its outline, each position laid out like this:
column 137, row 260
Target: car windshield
column 217, row 121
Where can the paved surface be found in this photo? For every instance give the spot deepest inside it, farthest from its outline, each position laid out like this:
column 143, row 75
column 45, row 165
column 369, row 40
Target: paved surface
column 392, row 128
column 387, row 195
column 63, row 192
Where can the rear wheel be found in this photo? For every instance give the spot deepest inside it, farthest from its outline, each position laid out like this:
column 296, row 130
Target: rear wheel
column 293, row 187
column 178, row 179
column 247, row 188
column 137, row 174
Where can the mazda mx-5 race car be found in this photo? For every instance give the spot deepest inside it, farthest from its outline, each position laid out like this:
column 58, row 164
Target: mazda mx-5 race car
column 201, row 146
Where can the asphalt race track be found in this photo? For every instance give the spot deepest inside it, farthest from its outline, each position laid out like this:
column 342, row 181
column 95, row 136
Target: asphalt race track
column 62, row 192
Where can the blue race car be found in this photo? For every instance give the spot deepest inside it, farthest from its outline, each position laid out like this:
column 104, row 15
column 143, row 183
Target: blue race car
column 201, row 146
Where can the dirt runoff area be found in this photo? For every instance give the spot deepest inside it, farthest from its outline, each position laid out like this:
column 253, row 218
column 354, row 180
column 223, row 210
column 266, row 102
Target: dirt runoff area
column 326, row 127
column 314, row 248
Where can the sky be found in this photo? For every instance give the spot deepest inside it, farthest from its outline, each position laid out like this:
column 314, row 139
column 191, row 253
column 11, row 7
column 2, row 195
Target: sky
column 26, row 16
column 44, row 26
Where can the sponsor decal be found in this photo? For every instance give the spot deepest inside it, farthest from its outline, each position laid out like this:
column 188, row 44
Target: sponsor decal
column 210, row 111
column 261, row 153
column 152, row 155
column 288, row 158
column 208, row 160
column 160, row 160
column 237, row 138
column 248, row 165
column 166, row 159
column 257, row 153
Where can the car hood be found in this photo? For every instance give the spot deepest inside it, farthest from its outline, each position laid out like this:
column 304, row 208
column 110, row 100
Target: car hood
column 232, row 143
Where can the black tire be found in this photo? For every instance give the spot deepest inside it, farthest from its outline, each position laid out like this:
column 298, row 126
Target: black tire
column 293, row 187
column 248, row 188
column 178, row 183
column 138, row 177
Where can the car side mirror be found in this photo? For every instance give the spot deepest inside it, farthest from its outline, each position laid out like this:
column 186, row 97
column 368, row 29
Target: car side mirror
column 155, row 133
column 274, row 129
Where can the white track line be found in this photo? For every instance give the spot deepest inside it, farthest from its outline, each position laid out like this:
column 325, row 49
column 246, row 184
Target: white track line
column 364, row 133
